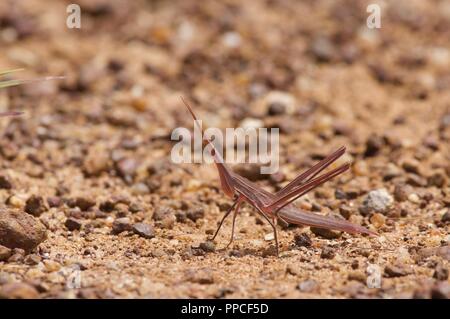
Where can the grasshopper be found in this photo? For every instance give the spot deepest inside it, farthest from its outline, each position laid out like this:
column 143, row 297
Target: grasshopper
column 279, row 205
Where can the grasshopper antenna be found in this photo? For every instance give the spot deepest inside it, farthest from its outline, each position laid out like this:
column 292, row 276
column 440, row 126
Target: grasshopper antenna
column 192, row 113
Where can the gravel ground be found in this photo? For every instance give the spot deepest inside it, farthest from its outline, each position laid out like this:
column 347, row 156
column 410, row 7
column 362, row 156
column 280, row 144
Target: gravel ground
column 93, row 207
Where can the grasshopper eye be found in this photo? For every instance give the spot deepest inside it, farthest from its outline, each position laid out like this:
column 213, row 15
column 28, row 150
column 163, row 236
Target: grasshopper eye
column 213, row 152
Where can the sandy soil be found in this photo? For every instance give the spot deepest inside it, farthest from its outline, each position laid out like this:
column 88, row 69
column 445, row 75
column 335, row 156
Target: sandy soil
column 90, row 158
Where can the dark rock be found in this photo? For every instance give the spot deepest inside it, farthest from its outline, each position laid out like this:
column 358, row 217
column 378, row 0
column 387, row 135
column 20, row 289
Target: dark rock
column 107, row 206
column 181, row 216
column 144, row 230
column 326, row 233
column 446, row 217
column 339, row 194
column 73, row 224
column 82, row 203
column 302, row 240
column 20, row 230
column 373, row 145
column 345, row 211
column 269, row 251
column 5, row 182
column 35, row 205
column 327, row 253
column 276, row 108
column 195, row 213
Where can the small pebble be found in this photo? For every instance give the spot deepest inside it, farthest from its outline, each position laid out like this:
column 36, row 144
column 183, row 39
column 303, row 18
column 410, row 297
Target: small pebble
column 416, row 180
column 414, row 198
column 323, row 49
column 378, row 220
column 345, row 211
column 309, row 285
column 373, row 145
column 438, row 179
column 54, row 201
column 327, row 253
column 5, row 253
column 15, row 258
column 126, row 168
column 120, row 225
column 395, row 271
column 401, row 192
column 443, row 251
column 35, row 205
column 82, row 203
column 411, row 166
column 96, row 161
column 292, row 269
column 377, row 201
column 196, row 213
column 446, row 217
column 144, row 230
column 302, row 240
column 162, row 212
column 5, row 182
column 326, row 233
column 207, row 246
column 20, row 230
column 140, row 189
column 73, row 224
column 51, row 265
column 15, row 201
column 32, row 259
